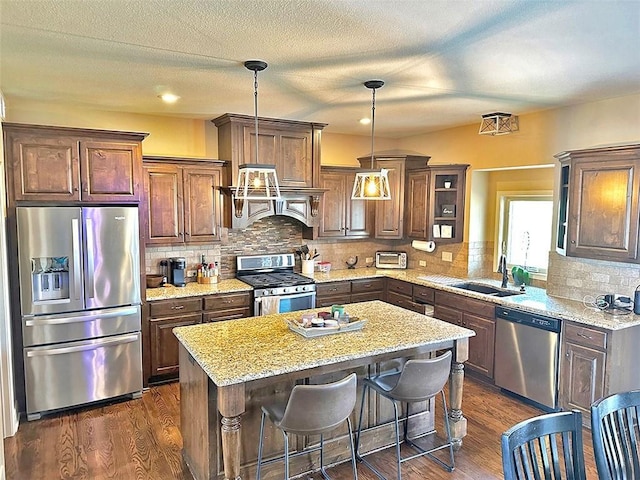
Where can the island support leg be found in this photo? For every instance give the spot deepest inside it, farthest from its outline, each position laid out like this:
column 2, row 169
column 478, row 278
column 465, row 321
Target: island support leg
column 457, row 421
column 231, row 406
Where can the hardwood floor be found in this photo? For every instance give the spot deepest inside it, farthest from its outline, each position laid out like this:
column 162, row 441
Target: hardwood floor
column 140, row 439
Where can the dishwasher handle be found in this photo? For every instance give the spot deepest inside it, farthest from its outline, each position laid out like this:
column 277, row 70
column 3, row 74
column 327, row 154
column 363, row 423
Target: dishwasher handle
column 534, row 320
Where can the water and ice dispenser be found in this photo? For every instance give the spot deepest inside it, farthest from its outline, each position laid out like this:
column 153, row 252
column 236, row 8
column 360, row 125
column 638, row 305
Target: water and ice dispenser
column 50, row 278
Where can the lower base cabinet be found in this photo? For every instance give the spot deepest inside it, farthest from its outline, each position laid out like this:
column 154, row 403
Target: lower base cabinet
column 475, row 315
column 165, row 315
column 407, row 295
column 339, row 293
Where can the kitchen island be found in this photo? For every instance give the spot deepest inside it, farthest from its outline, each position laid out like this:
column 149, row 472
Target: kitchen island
column 228, row 369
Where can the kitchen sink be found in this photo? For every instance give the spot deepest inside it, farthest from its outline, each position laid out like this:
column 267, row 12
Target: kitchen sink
column 485, row 289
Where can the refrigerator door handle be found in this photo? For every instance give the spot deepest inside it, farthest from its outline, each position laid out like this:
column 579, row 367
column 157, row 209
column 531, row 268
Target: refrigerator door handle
column 85, row 346
column 77, row 262
column 89, row 283
column 83, row 317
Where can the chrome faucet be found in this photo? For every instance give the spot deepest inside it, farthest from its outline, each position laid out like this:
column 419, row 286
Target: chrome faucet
column 502, row 268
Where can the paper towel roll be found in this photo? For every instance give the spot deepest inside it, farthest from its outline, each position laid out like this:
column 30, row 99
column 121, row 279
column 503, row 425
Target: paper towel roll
column 424, row 246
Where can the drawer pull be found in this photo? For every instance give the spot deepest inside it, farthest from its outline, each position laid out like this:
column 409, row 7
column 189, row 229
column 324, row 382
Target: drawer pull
column 367, row 285
column 588, row 337
column 177, row 307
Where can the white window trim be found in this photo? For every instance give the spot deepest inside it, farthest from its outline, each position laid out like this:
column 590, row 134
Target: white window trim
column 501, row 197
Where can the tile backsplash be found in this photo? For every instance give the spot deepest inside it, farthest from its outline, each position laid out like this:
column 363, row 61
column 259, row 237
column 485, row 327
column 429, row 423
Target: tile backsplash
column 568, row 277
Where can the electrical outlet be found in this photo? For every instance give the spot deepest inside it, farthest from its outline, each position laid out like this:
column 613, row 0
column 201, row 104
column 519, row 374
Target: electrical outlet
column 422, row 263
column 368, row 260
column 191, row 273
column 447, row 256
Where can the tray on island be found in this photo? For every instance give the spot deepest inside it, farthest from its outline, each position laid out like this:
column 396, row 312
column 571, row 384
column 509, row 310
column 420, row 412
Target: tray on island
column 311, row 332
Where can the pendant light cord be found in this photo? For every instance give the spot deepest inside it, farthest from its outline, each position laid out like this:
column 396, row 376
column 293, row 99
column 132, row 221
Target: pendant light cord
column 373, row 121
column 255, row 105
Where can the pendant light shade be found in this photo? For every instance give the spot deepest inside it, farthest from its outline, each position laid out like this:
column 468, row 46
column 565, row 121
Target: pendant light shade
column 257, row 181
column 372, row 184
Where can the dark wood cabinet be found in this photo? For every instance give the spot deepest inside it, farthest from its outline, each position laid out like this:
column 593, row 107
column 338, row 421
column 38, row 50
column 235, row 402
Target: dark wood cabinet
column 409, row 296
column 582, row 369
column 227, row 306
column 341, row 216
column 292, row 146
column 340, row 293
column 390, row 213
column 57, row 164
column 164, row 315
column 598, row 210
column 475, row 315
column 183, row 203
column 418, row 193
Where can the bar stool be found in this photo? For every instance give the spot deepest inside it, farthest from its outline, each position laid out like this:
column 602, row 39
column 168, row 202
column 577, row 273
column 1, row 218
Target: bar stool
column 311, row 410
column 419, row 381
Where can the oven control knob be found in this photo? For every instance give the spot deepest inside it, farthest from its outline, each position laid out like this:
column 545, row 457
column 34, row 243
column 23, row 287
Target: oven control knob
column 299, row 289
column 273, row 292
column 285, row 290
column 265, row 292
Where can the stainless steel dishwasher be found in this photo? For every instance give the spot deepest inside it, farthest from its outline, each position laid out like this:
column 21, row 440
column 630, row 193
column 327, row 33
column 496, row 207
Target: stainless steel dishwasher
column 527, row 352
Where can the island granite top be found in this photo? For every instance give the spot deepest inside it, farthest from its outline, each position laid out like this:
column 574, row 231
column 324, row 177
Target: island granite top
column 238, row 351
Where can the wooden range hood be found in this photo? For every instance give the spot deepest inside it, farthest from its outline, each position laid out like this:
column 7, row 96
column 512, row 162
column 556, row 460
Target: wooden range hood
column 293, row 147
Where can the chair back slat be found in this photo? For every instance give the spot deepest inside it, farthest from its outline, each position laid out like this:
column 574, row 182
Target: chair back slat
column 547, row 447
column 615, row 435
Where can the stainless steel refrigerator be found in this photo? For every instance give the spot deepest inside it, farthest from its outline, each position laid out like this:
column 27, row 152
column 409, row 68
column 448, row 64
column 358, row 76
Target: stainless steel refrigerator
column 79, row 271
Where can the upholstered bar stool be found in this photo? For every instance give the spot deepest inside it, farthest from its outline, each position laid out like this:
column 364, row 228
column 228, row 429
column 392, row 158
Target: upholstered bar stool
column 311, row 410
column 419, row 381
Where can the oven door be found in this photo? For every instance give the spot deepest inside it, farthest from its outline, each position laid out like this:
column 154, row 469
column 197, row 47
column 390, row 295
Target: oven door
column 287, row 303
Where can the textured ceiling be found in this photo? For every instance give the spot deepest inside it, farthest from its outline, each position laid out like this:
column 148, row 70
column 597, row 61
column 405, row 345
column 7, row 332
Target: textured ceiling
column 444, row 63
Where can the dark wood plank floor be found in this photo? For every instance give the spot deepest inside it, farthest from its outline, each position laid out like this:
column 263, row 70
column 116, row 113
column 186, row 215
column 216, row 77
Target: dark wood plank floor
column 140, row 439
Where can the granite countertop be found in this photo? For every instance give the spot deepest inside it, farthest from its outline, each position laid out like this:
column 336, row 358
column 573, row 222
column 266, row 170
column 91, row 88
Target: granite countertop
column 534, row 300
column 194, row 289
column 265, row 347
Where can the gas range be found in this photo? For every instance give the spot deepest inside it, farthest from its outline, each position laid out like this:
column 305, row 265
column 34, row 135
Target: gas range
column 272, row 275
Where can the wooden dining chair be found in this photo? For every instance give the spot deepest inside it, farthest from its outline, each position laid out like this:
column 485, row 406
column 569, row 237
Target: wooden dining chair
column 546, row 447
column 615, row 434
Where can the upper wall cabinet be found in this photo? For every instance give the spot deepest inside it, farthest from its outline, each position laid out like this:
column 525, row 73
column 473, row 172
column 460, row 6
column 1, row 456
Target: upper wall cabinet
column 292, row 146
column 182, row 200
column 341, row 216
column 58, row 164
column 389, row 214
column 598, row 209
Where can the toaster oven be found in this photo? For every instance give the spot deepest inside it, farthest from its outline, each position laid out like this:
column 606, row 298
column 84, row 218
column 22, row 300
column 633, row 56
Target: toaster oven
column 391, row 259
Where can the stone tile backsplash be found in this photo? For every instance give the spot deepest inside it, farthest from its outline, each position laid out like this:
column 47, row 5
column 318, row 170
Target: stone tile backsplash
column 568, row 277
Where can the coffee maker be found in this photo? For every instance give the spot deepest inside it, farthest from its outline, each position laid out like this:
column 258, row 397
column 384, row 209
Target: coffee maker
column 178, row 271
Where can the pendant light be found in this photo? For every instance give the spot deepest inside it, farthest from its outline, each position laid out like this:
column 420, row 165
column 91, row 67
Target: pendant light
column 256, row 181
column 372, row 184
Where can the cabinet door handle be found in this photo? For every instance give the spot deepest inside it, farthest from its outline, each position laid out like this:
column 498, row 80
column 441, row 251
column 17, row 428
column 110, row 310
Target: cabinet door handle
column 588, row 337
column 573, row 242
column 177, row 307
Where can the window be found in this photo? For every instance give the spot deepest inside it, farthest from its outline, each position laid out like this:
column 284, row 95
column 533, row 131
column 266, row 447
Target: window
column 525, row 230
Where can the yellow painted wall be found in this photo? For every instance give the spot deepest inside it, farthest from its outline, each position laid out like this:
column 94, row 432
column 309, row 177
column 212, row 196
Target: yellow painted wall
column 339, row 149
column 167, row 135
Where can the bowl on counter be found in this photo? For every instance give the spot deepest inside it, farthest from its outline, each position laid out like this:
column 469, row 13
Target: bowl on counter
column 154, row 281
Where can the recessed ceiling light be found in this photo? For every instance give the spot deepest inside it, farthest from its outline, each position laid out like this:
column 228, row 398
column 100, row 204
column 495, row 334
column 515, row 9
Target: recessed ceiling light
column 169, row 97
column 365, row 121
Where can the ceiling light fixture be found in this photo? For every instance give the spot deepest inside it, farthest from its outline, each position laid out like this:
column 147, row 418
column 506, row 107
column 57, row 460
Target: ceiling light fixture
column 498, row 123
column 256, row 181
column 372, row 184
column 169, row 98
